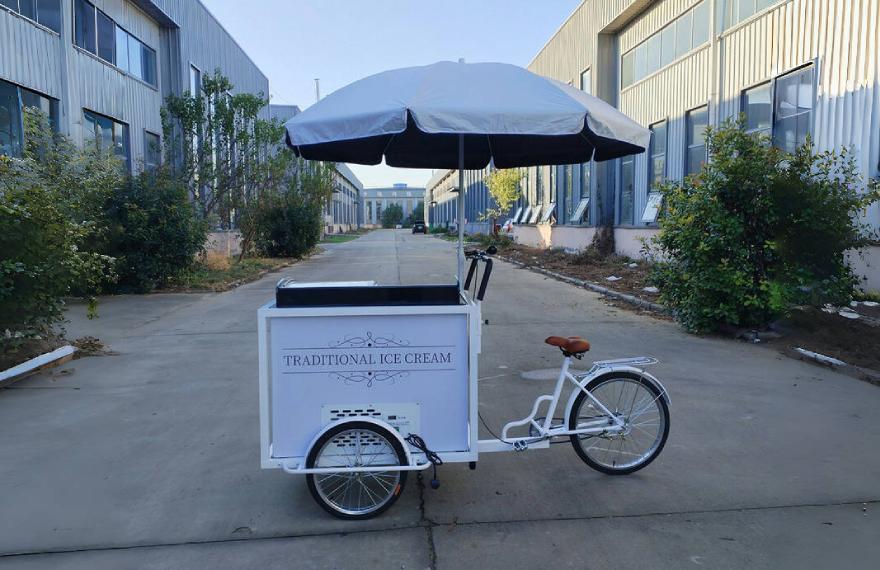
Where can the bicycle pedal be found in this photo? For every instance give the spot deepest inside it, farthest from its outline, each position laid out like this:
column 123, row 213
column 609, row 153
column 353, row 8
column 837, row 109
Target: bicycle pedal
column 520, row 446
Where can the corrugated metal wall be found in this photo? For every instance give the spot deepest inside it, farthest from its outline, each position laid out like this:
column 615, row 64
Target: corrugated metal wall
column 842, row 37
column 203, row 42
column 48, row 63
column 41, row 70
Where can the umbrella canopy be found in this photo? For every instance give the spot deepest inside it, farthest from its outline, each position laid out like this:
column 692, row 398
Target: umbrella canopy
column 417, row 117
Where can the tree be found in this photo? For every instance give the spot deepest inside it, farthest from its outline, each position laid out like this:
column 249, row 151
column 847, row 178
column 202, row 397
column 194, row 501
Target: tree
column 392, row 215
column 759, row 230
column 221, row 147
column 504, row 188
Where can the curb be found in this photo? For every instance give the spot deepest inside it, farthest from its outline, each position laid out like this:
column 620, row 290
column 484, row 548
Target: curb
column 857, row 372
column 626, row 298
column 25, row 369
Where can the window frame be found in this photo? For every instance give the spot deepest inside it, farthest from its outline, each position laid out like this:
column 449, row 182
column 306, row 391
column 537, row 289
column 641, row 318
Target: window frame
column 687, row 139
column 631, row 160
column 130, row 38
column 148, row 165
column 53, row 114
column 35, row 19
column 126, row 133
column 743, row 107
column 772, row 83
column 633, row 52
column 813, row 68
column 652, row 154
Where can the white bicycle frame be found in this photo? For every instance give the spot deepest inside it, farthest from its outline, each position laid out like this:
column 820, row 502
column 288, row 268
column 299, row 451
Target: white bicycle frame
column 544, row 431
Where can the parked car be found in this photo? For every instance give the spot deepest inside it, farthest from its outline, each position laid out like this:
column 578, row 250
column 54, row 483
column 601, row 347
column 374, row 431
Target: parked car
column 419, row 228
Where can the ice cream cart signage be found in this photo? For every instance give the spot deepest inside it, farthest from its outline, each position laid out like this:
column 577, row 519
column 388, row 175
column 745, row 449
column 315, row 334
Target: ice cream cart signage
column 345, row 361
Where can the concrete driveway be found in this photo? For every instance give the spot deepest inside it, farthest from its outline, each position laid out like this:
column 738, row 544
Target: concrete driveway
column 150, row 458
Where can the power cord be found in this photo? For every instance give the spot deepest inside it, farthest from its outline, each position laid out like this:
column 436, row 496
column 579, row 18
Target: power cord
column 419, row 443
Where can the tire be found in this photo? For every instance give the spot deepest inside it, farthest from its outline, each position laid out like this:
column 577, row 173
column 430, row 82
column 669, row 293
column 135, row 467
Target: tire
column 335, row 492
column 605, row 459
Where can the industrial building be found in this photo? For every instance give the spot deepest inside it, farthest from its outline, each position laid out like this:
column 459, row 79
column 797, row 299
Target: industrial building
column 793, row 67
column 376, row 200
column 102, row 68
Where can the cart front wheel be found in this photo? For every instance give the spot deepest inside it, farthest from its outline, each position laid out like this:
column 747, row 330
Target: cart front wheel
column 356, row 495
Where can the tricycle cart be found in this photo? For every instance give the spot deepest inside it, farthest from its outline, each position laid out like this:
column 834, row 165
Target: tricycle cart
column 360, row 383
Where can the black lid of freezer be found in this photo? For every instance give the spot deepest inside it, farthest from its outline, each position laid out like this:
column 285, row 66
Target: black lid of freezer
column 290, row 294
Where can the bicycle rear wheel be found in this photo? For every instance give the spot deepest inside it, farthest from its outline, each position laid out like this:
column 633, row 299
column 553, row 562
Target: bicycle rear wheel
column 644, row 412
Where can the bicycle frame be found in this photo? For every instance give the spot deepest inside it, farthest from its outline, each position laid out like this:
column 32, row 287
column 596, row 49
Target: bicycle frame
column 608, row 425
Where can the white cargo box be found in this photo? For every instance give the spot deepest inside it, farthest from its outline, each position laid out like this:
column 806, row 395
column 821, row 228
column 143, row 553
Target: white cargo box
column 414, row 367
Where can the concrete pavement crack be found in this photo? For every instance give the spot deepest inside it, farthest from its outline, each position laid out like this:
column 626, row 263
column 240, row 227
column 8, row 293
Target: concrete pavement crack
column 427, row 523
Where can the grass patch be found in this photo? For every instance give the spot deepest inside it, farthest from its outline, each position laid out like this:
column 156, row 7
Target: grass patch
column 221, row 273
column 340, row 238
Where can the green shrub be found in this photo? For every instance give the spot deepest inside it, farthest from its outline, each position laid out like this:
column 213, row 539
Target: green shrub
column 757, row 231
column 156, row 232
column 288, row 222
column 45, row 254
column 52, row 226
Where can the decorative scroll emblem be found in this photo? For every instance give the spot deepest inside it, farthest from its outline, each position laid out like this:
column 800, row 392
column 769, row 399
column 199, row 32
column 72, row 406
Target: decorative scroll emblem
column 369, row 341
column 389, row 376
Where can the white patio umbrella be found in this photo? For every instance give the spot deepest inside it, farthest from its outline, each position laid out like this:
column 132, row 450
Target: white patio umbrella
column 462, row 116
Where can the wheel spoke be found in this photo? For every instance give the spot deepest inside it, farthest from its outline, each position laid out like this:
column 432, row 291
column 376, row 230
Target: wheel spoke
column 357, row 493
column 637, row 405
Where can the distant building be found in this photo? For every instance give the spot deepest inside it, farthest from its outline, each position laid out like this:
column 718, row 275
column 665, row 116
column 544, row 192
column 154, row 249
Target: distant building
column 794, row 67
column 442, row 199
column 375, row 200
column 102, row 69
column 342, row 210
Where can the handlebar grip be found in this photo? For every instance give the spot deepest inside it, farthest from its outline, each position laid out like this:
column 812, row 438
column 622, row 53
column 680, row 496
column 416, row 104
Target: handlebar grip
column 485, row 281
column 470, row 274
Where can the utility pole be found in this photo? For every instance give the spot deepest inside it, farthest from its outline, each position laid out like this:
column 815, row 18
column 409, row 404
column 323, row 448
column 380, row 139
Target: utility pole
column 317, row 89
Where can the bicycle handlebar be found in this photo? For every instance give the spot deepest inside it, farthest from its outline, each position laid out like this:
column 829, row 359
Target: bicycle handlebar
column 477, row 256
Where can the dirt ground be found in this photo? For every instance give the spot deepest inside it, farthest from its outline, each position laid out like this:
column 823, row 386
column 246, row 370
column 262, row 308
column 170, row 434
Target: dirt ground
column 587, row 266
column 854, row 341
column 28, row 349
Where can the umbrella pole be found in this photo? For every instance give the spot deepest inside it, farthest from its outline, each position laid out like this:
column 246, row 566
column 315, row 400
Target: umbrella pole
column 460, row 212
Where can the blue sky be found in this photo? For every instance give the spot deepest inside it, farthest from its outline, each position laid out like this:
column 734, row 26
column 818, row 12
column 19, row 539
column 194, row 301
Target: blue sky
column 340, row 41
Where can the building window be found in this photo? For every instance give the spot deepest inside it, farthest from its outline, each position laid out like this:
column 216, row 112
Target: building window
column 735, row 11
column 152, row 151
column 106, row 37
column 107, row 134
column 11, row 140
column 44, row 12
column 793, row 109
column 697, row 122
column 657, row 153
column 96, row 32
column 84, row 26
column 13, row 100
column 627, row 190
column 195, row 81
column 687, row 32
column 758, row 108
column 587, row 81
